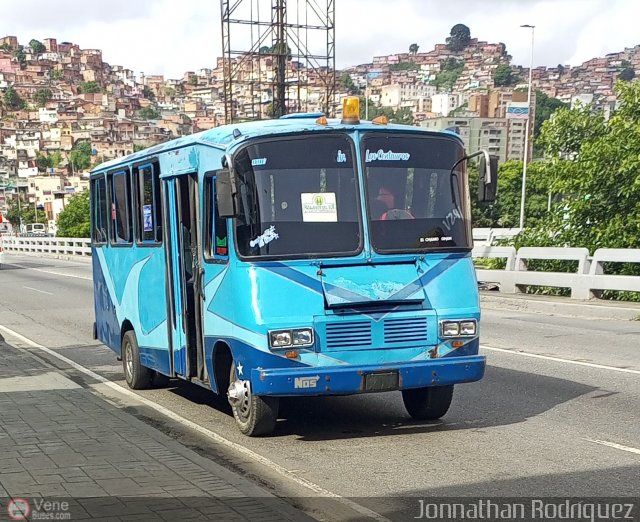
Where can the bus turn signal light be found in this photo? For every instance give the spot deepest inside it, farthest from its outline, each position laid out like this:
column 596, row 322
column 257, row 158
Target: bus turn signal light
column 351, row 110
column 322, row 120
column 292, row 354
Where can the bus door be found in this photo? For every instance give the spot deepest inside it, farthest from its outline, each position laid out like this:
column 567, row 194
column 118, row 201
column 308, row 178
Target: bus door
column 186, row 277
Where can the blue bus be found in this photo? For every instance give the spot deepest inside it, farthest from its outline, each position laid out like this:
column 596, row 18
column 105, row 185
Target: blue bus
column 288, row 257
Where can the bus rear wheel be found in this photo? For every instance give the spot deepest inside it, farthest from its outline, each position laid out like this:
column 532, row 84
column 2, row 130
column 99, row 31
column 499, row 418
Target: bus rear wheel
column 138, row 377
column 428, row 403
column 254, row 415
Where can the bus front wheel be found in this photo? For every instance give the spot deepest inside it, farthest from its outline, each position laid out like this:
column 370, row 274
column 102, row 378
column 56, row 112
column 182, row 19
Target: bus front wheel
column 428, row 403
column 138, row 377
column 254, row 415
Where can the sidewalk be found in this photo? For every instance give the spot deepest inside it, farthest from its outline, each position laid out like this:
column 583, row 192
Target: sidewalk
column 62, row 443
column 592, row 309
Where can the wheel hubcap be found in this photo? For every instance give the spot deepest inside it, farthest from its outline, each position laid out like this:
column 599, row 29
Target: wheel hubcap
column 239, row 395
column 128, row 358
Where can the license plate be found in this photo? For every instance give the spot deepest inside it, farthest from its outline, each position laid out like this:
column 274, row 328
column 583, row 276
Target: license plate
column 381, row 381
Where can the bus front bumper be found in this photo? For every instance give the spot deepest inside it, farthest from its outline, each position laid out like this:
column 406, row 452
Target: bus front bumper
column 346, row 380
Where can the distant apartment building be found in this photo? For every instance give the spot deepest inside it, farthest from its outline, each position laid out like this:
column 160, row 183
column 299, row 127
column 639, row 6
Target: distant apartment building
column 407, row 94
column 502, row 137
column 444, row 103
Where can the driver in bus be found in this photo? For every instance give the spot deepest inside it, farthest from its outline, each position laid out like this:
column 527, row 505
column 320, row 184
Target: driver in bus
column 385, row 206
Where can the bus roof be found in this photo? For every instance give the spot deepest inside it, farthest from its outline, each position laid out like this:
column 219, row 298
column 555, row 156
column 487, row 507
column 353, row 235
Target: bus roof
column 226, row 135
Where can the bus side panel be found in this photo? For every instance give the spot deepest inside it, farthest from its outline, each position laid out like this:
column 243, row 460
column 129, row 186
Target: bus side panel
column 130, row 286
column 107, row 324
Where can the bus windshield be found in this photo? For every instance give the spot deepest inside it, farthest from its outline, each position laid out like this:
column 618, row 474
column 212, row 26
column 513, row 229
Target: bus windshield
column 415, row 203
column 298, row 197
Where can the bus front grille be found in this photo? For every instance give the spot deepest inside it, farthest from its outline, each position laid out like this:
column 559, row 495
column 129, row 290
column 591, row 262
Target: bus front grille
column 405, row 330
column 348, row 334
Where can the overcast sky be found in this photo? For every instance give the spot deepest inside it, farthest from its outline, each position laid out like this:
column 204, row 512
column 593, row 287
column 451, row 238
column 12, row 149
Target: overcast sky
column 172, row 36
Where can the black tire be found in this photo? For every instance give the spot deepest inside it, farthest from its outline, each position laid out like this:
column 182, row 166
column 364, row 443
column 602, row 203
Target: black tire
column 255, row 416
column 138, row 377
column 428, row 403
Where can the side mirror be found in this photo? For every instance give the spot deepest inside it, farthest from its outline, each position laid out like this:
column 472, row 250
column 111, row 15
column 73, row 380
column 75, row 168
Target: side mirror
column 487, row 178
column 224, row 194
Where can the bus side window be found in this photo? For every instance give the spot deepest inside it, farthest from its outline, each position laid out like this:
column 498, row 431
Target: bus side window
column 99, row 210
column 120, row 208
column 149, row 208
column 216, row 240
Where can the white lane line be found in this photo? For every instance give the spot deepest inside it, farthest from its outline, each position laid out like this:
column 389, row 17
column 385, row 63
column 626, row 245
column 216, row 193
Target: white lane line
column 615, row 445
column 559, row 359
column 204, row 431
column 36, row 290
column 54, row 273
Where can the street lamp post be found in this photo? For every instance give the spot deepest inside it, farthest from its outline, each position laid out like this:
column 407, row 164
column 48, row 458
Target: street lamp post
column 527, row 127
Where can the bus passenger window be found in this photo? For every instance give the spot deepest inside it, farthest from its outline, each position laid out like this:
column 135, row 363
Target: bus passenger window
column 149, row 206
column 216, row 240
column 99, row 214
column 120, row 209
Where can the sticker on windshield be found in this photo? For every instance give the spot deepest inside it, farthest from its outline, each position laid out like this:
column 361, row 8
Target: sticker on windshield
column 266, row 238
column 319, row 207
column 381, row 155
column 148, row 218
column 258, row 162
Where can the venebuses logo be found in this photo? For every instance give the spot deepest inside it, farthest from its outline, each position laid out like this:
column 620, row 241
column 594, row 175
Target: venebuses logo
column 18, row 509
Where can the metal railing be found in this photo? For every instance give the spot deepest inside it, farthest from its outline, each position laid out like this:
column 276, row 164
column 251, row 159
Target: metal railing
column 585, row 282
column 48, row 245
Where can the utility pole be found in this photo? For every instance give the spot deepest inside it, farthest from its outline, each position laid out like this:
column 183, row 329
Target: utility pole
column 527, row 131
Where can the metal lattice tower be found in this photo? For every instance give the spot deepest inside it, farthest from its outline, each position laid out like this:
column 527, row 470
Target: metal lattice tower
column 278, row 57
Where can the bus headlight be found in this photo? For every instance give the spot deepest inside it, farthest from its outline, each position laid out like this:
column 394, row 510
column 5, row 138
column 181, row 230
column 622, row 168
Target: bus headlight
column 467, row 327
column 280, row 339
column 464, row 328
column 450, row 328
column 302, row 336
column 293, row 337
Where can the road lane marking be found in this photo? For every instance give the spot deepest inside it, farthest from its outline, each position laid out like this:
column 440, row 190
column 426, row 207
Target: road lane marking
column 559, row 359
column 36, row 290
column 53, row 273
column 281, row 470
column 615, row 445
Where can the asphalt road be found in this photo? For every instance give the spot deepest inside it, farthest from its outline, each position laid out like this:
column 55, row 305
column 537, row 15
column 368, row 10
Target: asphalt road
column 534, row 426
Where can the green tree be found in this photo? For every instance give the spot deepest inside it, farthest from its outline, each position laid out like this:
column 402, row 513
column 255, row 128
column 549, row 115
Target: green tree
column 89, row 87
column 80, row 156
column 74, row 221
column 450, row 71
column 149, row 113
column 148, row 93
column 12, row 100
column 505, row 211
column 56, row 159
column 43, row 162
column 346, row 82
column 137, row 147
column 413, row 48
column 193, row 79
column 404, row 66
column 37, row 47
column 503, row 75
column 25, row 210
column 627, row 74
column 57, row 75
column 403, row 116
column 20, row 55
column 460, row 37
column 42, row 96
column 595, row 169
